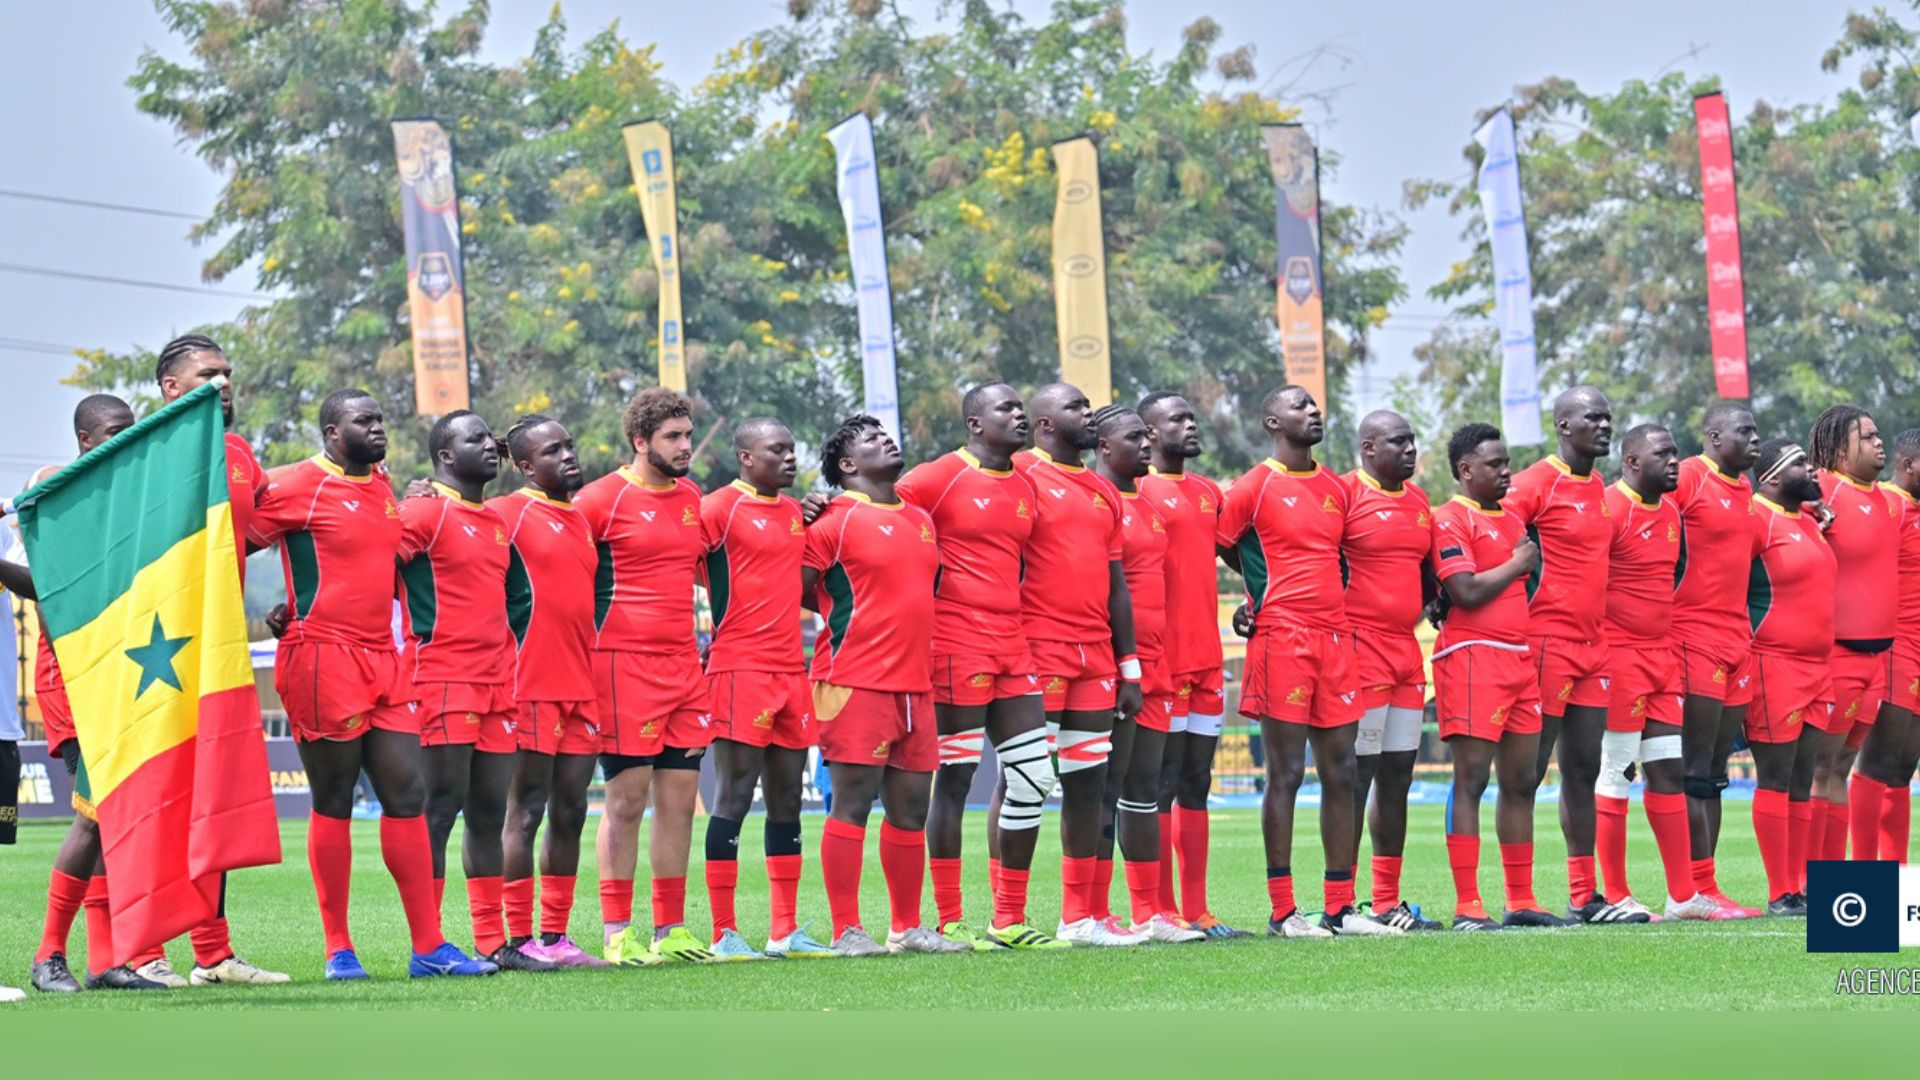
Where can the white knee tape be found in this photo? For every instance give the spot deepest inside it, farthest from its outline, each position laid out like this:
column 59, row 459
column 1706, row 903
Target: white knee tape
column 963, row 747
column 1372, row 733
column 1129, row 807
column 1177, row 724
column 1084, row 749
column 1660, row 748
column 1028, row 774
column 1403, row 730
column 1617, row 750
column 1204, row 724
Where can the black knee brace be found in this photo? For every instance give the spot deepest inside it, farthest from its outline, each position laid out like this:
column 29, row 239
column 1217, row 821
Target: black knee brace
column 1703, row 787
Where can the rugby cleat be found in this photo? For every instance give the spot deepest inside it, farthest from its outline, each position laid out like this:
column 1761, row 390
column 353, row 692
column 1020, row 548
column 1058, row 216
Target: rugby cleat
column 1789, row 905
column 121, row 978
column 1698, row 906
column 799, row 945
column 235, row 971
column 562, row 953
column 629, row 949
column 52, row 976
column 1474, row 922
column 733, row 947
column 922, row 940
column 1217, row 930
column 1024, row 937
column 854, row 941
column 158, row 970
column 1169, row 929
column 1406, row 917
column 1735, row 910
column 1074, row 933
column 960, row 931
column 1526, row 918
column 1597, row 911
column 515, row 958
column 1296, row 925
column 344, row 966
column 447, row 960
column 1107, row 932
column 679, row 944
column 1350, row 923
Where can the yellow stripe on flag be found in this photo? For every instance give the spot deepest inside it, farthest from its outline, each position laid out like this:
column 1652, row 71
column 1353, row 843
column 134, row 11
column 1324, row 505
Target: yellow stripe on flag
column 136, row 673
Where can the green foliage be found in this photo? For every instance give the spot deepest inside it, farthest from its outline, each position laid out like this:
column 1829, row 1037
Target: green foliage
column 290, row 100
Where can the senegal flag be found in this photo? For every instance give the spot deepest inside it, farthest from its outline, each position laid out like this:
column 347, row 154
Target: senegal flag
column 132, row 554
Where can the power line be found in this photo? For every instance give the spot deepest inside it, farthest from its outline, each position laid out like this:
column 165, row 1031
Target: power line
column 103, row 279
column 91, row 204
column 28, row 345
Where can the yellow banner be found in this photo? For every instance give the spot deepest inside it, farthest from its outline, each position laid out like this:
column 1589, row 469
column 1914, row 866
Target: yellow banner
column 1080, row 271
column 1298, row 304
column 650, row 153
column 436, row 280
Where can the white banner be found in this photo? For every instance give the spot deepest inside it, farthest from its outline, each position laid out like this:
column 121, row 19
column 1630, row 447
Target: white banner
column 1512, row 281
column 867, row 247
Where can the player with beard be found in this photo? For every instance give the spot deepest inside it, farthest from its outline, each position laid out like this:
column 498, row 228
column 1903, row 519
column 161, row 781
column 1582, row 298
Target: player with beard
column 550, row 606
column 1890, row 757
column 1191, row 504
column 1282, row 529
column 454, row 560
column 339, row 676
column 1710, row 622
column 1079, row 621
column 756, row 669
column 1643, row 718
column 1563, row 503
column 1790, row 607
column 1389, row 535
column 1863, row 529
column 1131, row 806
column 651, row 692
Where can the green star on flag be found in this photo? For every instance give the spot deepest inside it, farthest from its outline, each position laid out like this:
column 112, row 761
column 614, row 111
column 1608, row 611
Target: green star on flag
column 156, row 659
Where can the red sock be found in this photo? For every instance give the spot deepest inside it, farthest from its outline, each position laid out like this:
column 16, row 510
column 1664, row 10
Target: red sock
column 1835, row 846
column 1667, row 814
column 1169, row 840
column 211, row 942
column 1192, row 838
column 330, row 858
column 1100, row 901
column 405, row 847
column 1816, row 833
column 783, row 893
column 842, row 845
column 556, row 902
column 1609, row 847
column 1516, row 867
column 440, row 894
column 1580, row 883
column 1280, row 895
column 1143, row 889
column 1705, row 877
column 616, row 901
column 1463, row 858
column 1772, row 822
column 1338, row 892
column 903, row 858
column 1386, row 882
column 483, row 904
column 1896, row 823
column 1799, row 839
column 1076, row 888
column 1865, row 799
column 946, row 889
column 65, row 894
column 993, row 876
column 669, row 901
column 1010, row 900
column 516, row 898
column 152, row 953
column 723, row 876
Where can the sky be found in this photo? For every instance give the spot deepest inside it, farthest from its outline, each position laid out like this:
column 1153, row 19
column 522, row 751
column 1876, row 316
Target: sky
column 1407, row 78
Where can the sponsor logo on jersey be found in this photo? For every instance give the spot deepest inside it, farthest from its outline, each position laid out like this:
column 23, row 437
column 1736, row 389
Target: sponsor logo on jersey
column 688, row 517
column 1020, row 509
column 888, row 529
column 983, row 503
column 1297, row 696
column 1098, row 501
column 352, row 505
column 981, row 680
column 1327, row 504
column 794, row 528
column 392, row 510
column 926, row 533
column 1499, row 716
column 880, row 752
column 763, row 719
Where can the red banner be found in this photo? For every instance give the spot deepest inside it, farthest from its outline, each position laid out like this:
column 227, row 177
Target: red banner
column 1720, row 205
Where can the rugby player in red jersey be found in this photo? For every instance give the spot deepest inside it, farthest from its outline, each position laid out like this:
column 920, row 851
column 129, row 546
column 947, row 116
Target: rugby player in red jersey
column 1890, row 757
column 869, row 569
column 651, row 692
column 1790, row 607
column 1486, row 688
column 1863, row 528
column 1643, row 717
column 1191, row 504
column 1079, row 621
column 756, row 669
column 983, row 685
column 454, row 560
column 339, row 678
column 1131, row 807
column 1389, row 535
column 550, row 604
column 1281, row 529
column 1710, row 622
column 1562, row 502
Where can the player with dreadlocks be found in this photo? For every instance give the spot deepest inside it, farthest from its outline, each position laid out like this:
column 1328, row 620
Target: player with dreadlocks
column 1892, row 748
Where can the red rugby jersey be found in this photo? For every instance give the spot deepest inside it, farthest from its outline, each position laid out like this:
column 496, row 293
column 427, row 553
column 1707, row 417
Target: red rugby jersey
column 877, row 563
column 246, row 484
column 1288, row 528
column 549, row 595
column 984, row 518
column 1567, row 516
column 1716, row 533
column 1389, row 534
column 650, row 543
column 1065, row 591
column 1467, row 537
column 1144, row 561
column 1906, row 626
column 1191, row 504
column 454, row 556
column 339, row 536
column 1865, row 538
column 753, row 579
column 1640, row 568
column 1790, row 587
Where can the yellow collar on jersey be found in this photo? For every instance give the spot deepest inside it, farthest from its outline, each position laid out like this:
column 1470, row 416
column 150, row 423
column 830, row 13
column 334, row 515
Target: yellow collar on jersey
column 1560, row 463
column 1155, row 470
column 1848, row 480
column 748, row 490
column 1477, row 508
column 1061, row 465
column 1635, row 496
column 1713, row 469
column 966, row 455
column 1274, row 464
column 1899, row 491
column 861, row 496
column 1776, row 507
column 634, row 478
column 1368, row 479
column 450, row 493
column 532, row 492
column 331, row 469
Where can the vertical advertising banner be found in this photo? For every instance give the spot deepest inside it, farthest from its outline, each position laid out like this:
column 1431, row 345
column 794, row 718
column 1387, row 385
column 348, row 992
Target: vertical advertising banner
column 650, row 152
column 1720, row 207
column 859, row 186
column 436, row 282
column 1298, row 312
column 1080, row 271
column 1499, row 184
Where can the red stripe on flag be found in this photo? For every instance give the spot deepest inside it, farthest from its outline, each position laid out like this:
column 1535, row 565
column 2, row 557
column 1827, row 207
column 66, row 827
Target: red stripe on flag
column 1720, row 209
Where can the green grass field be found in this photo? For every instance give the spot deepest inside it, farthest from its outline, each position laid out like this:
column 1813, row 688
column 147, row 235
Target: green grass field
column 1754, row 965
